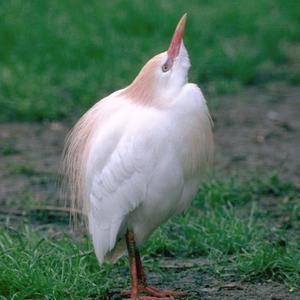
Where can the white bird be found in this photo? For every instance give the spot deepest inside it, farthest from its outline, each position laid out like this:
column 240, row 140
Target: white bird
column 137, row 157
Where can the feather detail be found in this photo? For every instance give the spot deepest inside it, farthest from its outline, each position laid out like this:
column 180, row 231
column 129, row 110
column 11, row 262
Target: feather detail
column 143, row 89
column 76, row 152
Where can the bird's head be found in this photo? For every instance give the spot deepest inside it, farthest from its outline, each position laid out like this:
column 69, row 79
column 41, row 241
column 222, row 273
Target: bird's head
column 163, row 76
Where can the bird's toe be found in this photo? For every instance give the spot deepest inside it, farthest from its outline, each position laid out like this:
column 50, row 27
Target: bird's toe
column 154, row 291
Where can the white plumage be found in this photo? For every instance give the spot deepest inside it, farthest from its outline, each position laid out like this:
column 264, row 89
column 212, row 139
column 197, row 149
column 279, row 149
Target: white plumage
column 140, row 169
column 137, row 157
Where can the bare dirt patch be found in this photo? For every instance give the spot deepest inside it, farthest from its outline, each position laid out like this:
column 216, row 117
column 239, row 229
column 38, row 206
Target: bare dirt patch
column 200, row 283
column 259, row 131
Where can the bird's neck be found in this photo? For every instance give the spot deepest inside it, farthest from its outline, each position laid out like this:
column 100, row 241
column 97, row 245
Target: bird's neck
column 142, row 93
column 144, row 89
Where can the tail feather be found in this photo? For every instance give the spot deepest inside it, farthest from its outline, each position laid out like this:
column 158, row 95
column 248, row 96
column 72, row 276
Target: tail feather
column 104, row 241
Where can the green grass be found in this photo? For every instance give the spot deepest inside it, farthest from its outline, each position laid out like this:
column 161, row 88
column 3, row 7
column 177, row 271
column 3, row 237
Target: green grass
column 228, row 223
column 58, row 57
column 39, row 267
column 8, row 148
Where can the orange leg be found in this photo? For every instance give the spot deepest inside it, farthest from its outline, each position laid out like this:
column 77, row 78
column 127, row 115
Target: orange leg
column 139, row 288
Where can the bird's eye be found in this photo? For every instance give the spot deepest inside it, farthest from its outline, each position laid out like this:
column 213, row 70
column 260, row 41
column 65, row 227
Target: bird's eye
column 165, row 67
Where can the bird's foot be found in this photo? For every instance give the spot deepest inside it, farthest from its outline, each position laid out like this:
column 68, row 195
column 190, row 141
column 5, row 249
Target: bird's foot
column 148, row 298
column 152, row 293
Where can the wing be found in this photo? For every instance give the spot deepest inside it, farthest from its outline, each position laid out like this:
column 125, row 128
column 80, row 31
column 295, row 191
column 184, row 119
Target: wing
column 117, row 180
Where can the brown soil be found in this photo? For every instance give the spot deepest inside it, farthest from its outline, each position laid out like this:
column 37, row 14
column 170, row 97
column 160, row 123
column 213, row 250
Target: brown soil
column 257, row 130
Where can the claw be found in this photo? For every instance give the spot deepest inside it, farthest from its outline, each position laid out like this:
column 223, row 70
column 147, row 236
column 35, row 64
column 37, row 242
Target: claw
column 148, row 298
column 152, row 293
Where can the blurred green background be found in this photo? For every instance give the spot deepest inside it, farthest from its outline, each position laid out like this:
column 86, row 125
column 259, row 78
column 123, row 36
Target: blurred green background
column 58, row 57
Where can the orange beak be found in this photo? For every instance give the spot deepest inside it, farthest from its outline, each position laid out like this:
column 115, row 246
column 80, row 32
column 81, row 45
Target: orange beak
column 174, row 47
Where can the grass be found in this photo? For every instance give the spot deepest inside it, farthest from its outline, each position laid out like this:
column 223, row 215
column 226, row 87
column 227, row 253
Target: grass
column 228, row 223
column 58, row 57
column 8, row 148
column 39, row 267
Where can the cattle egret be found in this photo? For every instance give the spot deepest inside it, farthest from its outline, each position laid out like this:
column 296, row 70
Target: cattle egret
column 137, row 157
